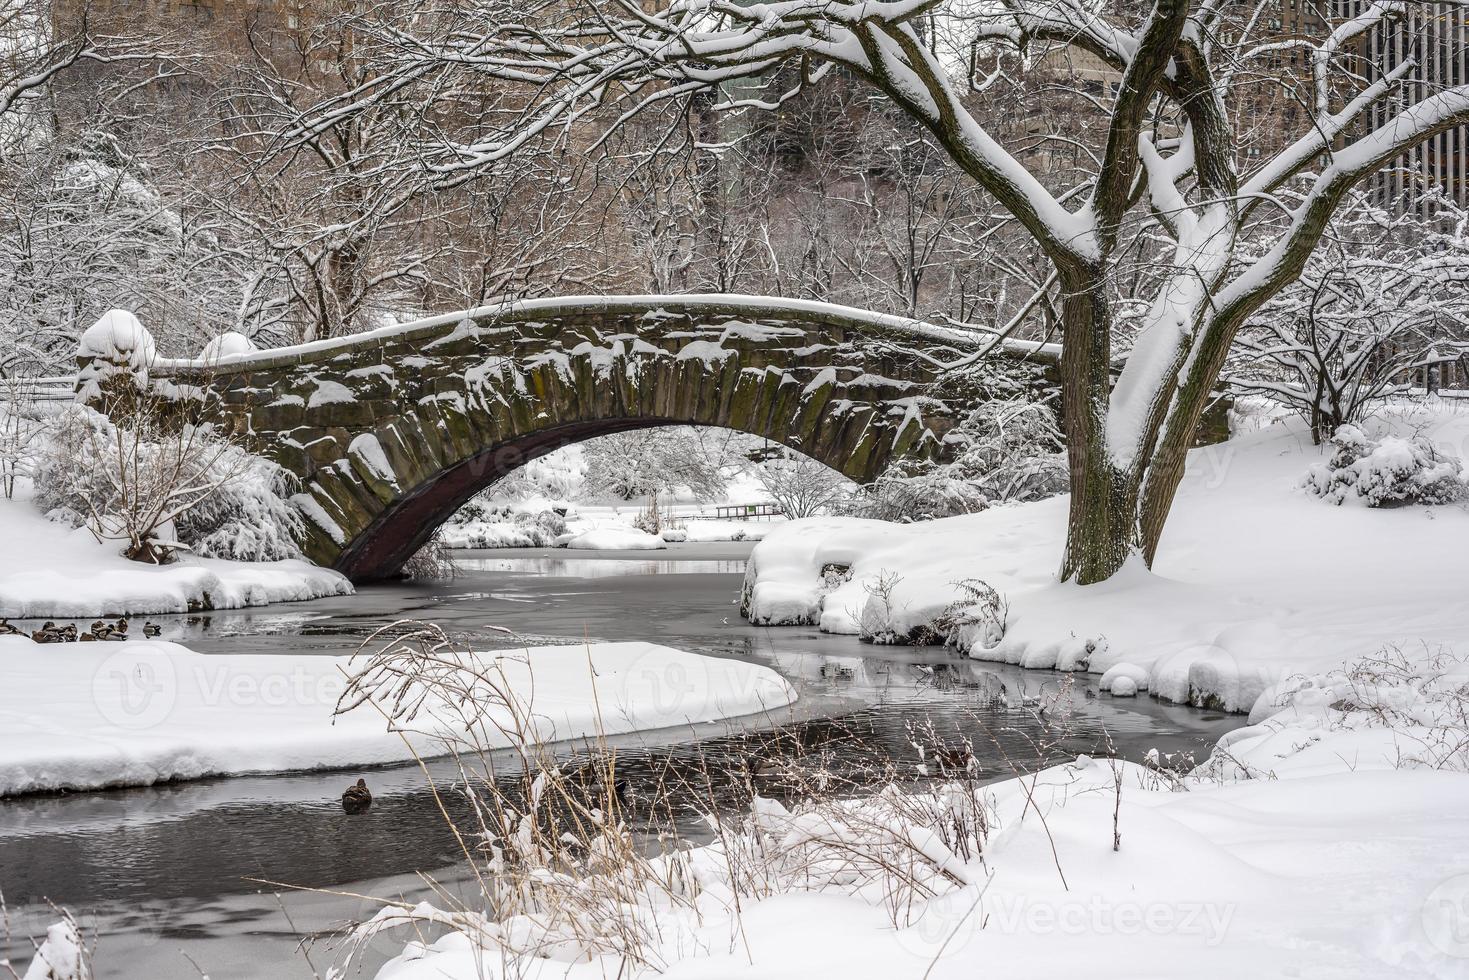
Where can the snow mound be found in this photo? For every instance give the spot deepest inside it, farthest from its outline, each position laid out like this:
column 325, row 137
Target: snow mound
column 228, row 344
column 611, row 539
column 119, row 337
column 1138, row 676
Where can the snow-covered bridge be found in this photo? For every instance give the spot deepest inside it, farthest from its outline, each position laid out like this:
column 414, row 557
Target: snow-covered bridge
column 391, row 431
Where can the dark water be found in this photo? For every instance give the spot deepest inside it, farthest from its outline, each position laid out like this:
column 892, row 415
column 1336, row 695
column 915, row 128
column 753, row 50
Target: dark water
column 170, row 877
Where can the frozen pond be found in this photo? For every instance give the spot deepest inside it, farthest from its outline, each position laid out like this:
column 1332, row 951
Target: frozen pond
column 168, row 877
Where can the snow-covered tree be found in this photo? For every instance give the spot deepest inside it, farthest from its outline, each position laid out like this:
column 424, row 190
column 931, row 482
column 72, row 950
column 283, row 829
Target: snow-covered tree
column 799, row 485
column 1007, row 450
column 661, row 461
column 1178, row 206
column 22, row 424
column 1385, row 293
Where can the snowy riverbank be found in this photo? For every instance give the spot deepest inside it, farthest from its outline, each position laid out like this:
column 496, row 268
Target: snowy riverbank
column 112, row 714
column 603, row 527
column 1255, row 580
column 1324, row 842
column 51, row 571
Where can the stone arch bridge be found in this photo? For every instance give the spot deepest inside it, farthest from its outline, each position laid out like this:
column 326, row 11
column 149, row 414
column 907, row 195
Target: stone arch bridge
column 392, row 431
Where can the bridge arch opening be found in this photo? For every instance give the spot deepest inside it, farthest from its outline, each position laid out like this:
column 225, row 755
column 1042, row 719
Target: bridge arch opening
column 380, row 550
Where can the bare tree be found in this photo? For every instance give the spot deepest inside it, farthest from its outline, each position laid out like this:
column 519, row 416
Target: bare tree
column 1387, row 292
column 799, row 485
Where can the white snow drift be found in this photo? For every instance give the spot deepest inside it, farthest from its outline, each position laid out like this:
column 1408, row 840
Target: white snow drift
column 83, row 716
column 50, row 571
column 1255, row 580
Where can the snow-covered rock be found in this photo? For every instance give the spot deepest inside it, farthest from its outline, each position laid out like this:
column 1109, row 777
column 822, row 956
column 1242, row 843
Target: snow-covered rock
column 1124, row 687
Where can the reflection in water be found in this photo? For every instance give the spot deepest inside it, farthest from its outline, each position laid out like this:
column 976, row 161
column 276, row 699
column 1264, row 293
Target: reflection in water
column 166, row 871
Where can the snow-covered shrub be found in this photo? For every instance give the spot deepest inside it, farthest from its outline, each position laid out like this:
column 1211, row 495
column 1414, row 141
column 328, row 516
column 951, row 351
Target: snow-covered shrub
column 878, row 620
column 250, row 517
column 1375, row 305
column 22, row 425
column 480, row 523
column 1008, row 450
column 131, row 483
column 1386, row 471
column 978, row 618
column 555, row 476
column 649, row 520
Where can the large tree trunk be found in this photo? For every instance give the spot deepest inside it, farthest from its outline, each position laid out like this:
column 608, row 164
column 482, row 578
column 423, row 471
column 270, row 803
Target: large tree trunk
column 1102, row 530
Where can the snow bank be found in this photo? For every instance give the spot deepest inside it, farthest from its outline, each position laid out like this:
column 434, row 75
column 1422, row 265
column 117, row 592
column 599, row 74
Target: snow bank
column 1256, row 580
column 136, row 713
column 52, row 571
column 611, row 539
column 1096, row 868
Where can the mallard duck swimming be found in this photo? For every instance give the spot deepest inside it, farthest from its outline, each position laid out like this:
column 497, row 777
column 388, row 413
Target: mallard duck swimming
column 357, row 798
column 152, row 629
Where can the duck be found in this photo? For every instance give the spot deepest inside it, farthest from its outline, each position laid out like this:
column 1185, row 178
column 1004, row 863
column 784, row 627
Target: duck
column 152, row 629
column 956, row 760
column 48, row 633
column 357, row 798
column 121, row 629
column 7, row 630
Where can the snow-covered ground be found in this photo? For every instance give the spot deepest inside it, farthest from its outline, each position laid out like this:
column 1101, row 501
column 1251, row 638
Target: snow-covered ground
column 48, row 570
column 1322, row 843
column 600, row 527
column 84, row 716
column 1255, row 580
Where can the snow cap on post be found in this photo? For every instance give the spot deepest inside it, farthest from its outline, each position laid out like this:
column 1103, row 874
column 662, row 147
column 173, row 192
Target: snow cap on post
column 116, row 346
column 225, row 345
